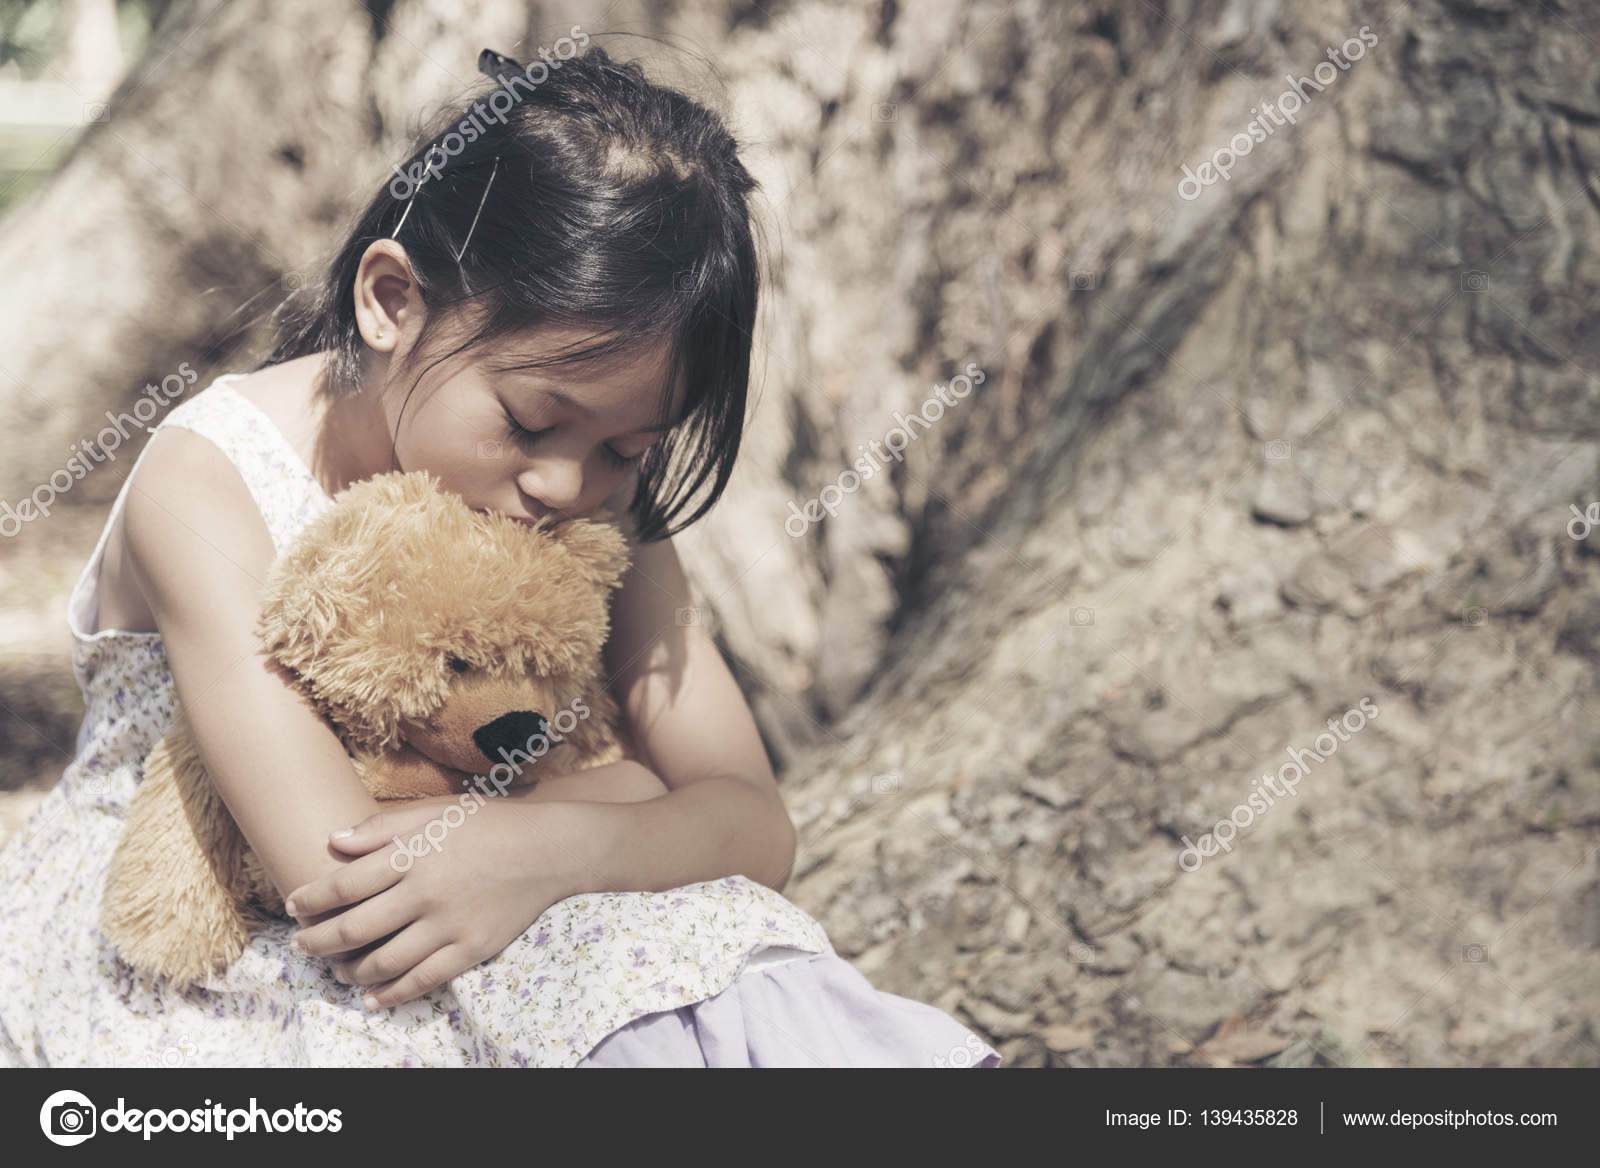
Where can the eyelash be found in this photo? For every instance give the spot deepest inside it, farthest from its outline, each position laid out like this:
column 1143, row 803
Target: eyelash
column 524, row 437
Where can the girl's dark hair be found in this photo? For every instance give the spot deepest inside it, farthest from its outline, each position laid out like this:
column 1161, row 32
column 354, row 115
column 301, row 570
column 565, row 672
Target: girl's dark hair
column 617, row 206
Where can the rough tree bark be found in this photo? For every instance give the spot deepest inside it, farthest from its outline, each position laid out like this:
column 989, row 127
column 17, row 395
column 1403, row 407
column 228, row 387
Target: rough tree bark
column 1238, row 462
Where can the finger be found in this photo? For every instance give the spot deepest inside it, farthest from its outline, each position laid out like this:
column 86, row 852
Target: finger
column 431, row 973
column 373, row 832
column 353, row 883
column 344, row 963
column 370, row 921
column 404, row 952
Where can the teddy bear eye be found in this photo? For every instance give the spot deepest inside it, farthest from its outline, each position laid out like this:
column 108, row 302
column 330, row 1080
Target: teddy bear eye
column 457, row 664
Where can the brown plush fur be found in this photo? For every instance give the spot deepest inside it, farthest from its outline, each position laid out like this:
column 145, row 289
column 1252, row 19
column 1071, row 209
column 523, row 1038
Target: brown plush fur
column 428, row 635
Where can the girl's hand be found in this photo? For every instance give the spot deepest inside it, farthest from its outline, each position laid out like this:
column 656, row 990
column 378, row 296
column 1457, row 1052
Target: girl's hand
column 433, row 894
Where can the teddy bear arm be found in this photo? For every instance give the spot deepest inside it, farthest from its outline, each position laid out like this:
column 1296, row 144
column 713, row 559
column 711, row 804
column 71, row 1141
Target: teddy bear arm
column 175, row 888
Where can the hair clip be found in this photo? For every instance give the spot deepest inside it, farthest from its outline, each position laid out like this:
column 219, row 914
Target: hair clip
column 479, row 211
column 493, row 64
column 412, row 198
column 499, row 67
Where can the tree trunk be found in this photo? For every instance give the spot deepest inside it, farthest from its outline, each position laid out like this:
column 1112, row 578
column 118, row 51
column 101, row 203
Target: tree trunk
column 1237, row 461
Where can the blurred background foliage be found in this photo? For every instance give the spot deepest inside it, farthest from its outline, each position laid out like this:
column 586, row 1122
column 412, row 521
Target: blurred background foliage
column 58, row 60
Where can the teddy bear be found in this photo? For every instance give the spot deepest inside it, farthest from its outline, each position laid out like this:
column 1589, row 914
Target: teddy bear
column 451, row 650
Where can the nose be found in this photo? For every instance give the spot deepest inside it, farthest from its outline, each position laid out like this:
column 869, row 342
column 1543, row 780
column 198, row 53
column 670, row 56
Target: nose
column 517, row 730
column 557, row 483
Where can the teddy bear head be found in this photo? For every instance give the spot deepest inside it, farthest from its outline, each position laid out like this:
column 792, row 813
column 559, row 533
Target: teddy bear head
column 406, row 616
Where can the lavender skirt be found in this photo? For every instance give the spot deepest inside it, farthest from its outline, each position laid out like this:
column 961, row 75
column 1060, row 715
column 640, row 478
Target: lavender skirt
column 793, row 1009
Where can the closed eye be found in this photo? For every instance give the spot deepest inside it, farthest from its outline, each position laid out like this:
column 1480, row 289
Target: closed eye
column 520, row 434
column 525, row 438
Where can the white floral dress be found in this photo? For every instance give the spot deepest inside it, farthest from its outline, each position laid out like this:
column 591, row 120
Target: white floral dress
column 589, row 965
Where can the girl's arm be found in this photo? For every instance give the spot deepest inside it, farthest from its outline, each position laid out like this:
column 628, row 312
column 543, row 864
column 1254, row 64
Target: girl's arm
column 199, row 551
column 723, row 814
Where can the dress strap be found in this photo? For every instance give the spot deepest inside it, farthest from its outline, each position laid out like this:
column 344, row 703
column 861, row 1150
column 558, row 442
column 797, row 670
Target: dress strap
column 285, row 491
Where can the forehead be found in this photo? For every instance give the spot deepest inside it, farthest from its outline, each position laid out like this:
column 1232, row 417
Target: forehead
column 627, row 385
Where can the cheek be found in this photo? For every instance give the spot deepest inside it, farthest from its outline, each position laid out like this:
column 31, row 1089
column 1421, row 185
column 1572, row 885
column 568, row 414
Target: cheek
column 465, row 450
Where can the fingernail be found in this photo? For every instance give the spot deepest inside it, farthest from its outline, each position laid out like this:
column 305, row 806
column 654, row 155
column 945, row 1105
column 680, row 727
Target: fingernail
column 344, row 831
column 288, row 907
column 297, row 947
column 370, row 1002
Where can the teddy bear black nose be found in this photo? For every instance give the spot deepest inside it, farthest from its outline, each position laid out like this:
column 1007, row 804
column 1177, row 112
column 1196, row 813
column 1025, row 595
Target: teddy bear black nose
column 517, row 730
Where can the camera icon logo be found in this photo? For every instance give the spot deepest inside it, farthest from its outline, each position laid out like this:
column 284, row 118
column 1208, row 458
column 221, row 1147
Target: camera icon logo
column 491, row 448
column 1082, row 617
column 96, row 111
column 1474, row 281
column 971, row 1051
column 885, row 111
column 178, row 1055
column 688, row 615
column 1083, row 281
column 67, row 1118
column 683, row 281
column 1277, row 450
column 1474, row 615
column 1583, row 522
column 1474, row 954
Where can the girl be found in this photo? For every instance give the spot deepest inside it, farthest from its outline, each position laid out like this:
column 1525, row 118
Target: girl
column 549, row 313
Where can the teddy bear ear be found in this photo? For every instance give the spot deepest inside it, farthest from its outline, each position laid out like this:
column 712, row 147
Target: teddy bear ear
column 317, row 587
column 390, row 490
column 598, row 548
column 296, row 620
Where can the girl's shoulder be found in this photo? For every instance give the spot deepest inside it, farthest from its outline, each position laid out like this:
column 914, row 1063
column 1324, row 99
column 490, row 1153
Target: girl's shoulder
column 220, row 478
column 187, row 504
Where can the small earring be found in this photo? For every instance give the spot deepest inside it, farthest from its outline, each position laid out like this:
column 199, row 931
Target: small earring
column 378, row 336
